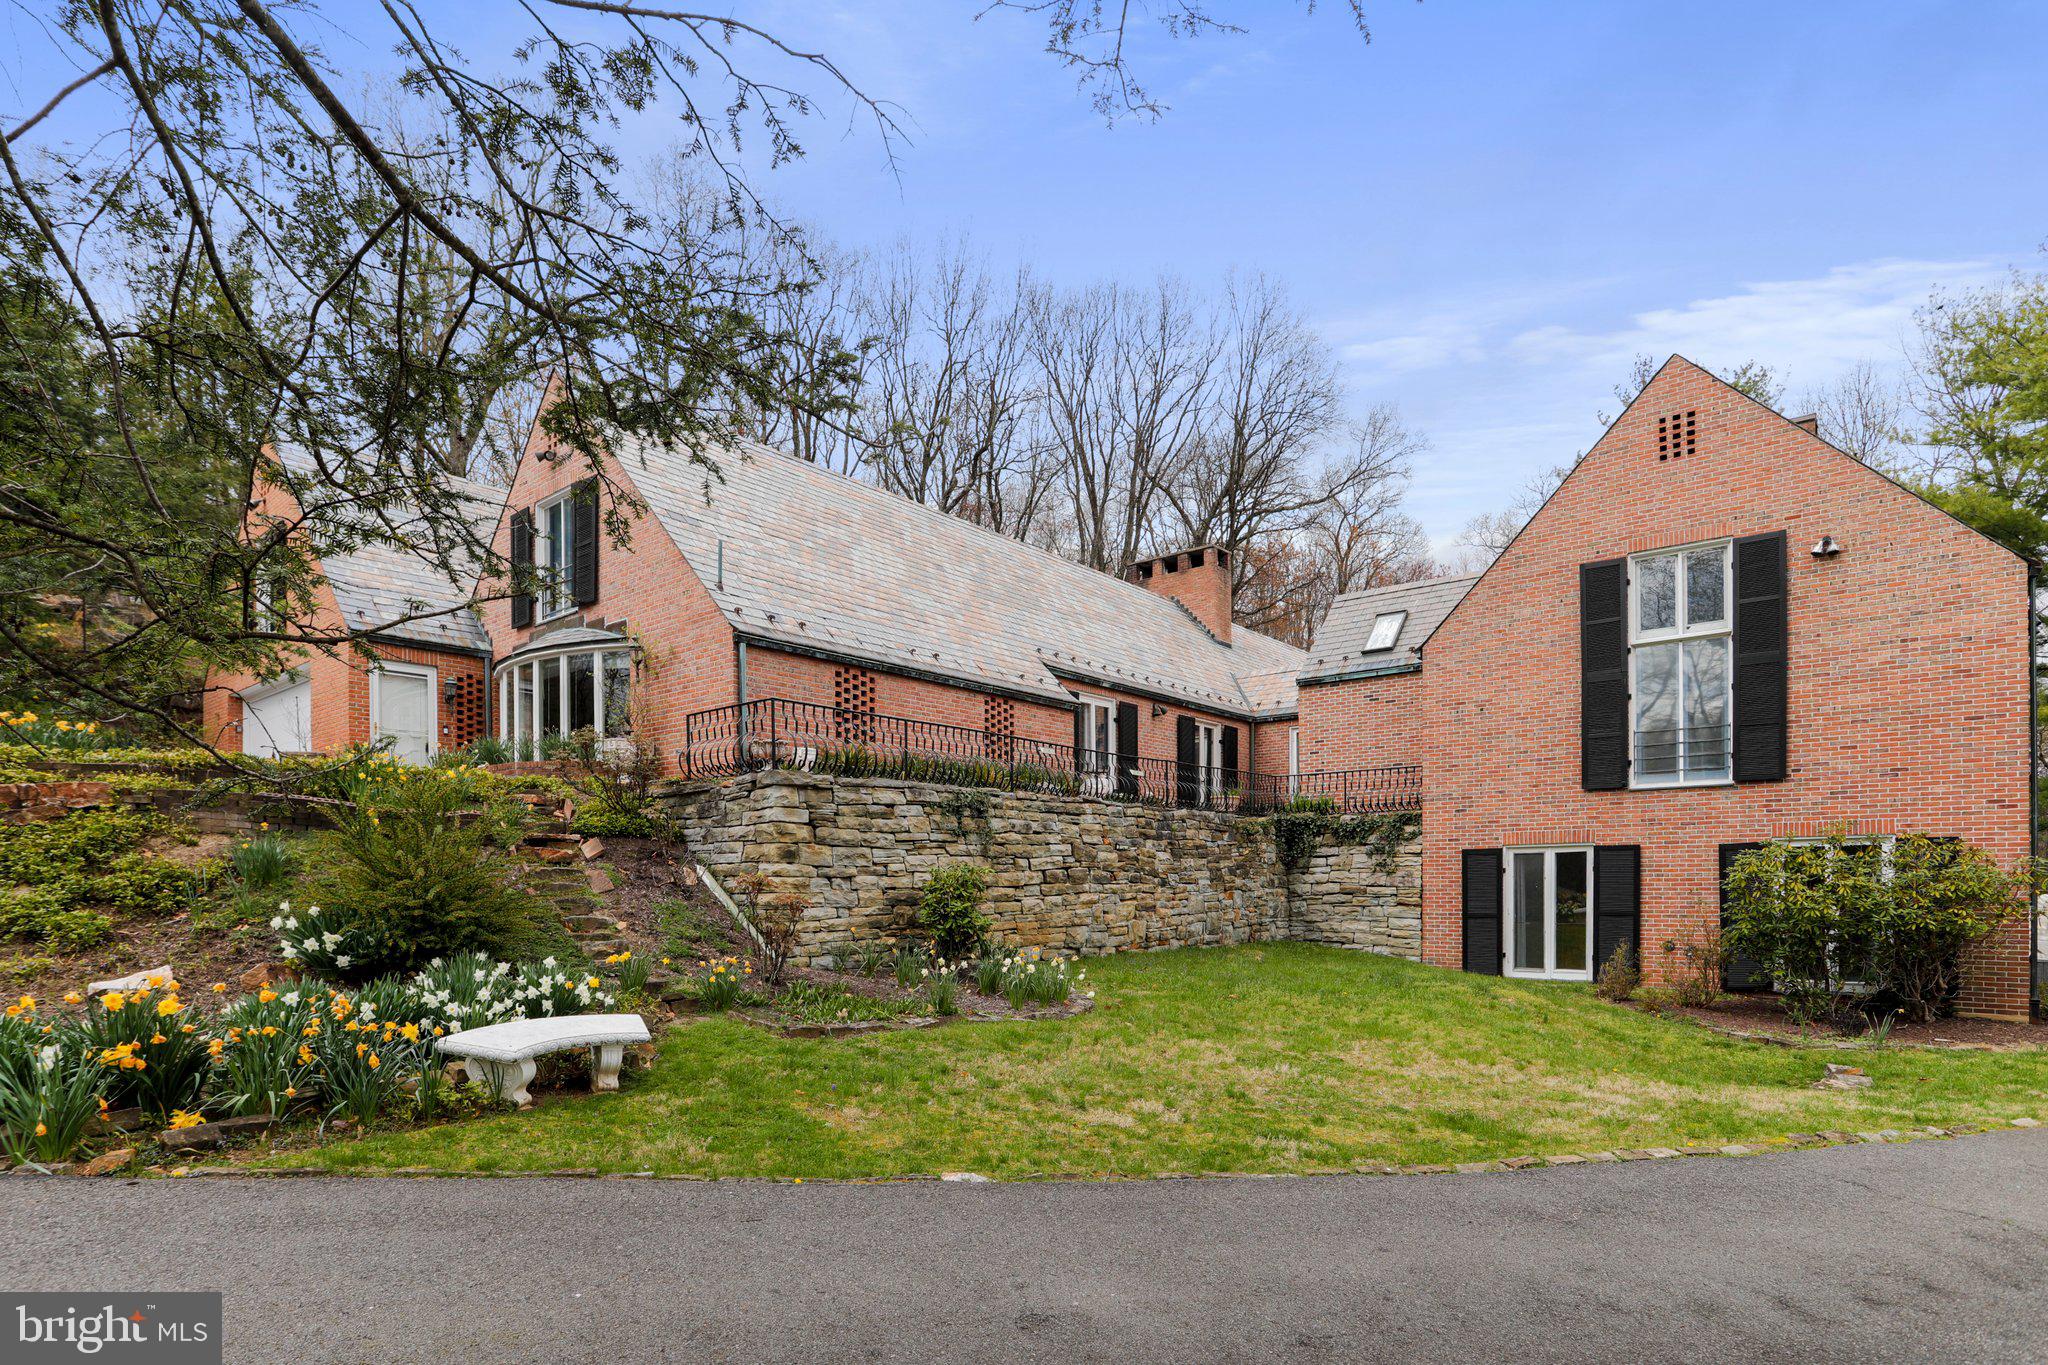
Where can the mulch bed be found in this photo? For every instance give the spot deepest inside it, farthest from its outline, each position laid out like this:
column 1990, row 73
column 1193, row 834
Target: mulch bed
column 1762, row 1016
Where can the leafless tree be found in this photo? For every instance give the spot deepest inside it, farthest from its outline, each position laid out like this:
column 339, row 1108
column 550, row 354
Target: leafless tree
column 1864, row 413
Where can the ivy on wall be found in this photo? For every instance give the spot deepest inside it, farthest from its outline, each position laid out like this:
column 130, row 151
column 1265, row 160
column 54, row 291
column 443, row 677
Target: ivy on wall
column 1298, row 832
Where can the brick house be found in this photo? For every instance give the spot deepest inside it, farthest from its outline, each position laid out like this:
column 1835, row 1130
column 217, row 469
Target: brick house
column 411, row 660
column 1719, row 630
column 790, row 609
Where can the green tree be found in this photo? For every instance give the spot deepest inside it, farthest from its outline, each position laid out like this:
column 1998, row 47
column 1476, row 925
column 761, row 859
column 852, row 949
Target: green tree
column 1983, row 363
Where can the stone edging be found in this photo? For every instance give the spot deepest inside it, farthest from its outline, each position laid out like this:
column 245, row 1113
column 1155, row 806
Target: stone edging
column 1760, row 1147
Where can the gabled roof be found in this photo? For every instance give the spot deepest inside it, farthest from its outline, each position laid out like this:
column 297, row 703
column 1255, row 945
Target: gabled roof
column 818, row 561
column 379, row 584
column 1340, row 650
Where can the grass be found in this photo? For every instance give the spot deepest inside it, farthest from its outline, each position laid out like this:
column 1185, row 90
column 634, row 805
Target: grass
column 1272, row 1058
column 687, row 930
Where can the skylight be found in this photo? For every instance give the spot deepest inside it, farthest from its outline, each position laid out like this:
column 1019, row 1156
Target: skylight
column 1386, row 628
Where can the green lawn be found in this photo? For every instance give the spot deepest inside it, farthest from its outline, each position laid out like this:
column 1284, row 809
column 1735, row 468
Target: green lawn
column 1280, row 1057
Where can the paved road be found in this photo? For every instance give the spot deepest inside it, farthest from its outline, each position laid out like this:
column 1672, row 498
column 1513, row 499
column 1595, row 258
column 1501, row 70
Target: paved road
column 1923, row 1251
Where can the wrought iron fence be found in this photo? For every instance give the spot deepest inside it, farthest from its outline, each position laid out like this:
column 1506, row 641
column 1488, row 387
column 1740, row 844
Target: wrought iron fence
column 774, row 732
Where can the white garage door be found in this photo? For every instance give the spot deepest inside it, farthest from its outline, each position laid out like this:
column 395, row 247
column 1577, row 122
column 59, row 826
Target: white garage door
column 278, row 720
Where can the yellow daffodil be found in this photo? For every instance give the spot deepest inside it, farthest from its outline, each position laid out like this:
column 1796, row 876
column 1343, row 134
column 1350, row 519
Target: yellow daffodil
column 170, row 1004
column 266, row 995
column 113, row 1000
column 182, row 1119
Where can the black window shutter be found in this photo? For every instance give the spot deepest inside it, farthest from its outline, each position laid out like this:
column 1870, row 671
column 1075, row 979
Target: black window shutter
column 1188, row 761
column 583, row 572
column 1617, row 901
column 1083, row 741
column 1482, row 910
column 1126, row 749
column 1760, row 658
column 1739, row 973
column 522, row 567
column 1603, row 675
column 1230, row 758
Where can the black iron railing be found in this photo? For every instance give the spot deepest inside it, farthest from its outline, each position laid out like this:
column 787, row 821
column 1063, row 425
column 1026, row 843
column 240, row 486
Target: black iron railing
column 1683, row 752
column 774, row 732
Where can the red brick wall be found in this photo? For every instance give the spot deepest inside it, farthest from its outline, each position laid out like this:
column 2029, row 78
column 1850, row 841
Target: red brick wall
column 1908, row 675
column 340, row 710
column 645, row 588
column 1362, row 723
column 1269, row 747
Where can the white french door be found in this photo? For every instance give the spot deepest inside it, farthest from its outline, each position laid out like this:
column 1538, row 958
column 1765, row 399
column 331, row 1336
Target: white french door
column 1209, row 755
column 1549, row 912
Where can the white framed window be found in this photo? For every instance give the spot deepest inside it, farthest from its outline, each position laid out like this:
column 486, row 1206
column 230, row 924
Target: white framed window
column 554, row 694
column 1548, row 912
column 554, row 554
column 1386, row 629
column 1681, row 666
column 1294, row 761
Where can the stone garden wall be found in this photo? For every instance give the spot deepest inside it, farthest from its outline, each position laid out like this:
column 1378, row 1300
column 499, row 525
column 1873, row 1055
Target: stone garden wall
column 1068, row 874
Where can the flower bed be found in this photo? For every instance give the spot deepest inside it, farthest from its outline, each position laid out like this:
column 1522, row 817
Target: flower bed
column 289, row 1050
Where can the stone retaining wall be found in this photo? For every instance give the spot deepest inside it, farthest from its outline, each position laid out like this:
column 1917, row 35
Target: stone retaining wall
column 1068, row 874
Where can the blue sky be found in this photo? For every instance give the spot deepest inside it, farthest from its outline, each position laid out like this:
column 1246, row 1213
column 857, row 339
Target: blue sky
column 1488, row 210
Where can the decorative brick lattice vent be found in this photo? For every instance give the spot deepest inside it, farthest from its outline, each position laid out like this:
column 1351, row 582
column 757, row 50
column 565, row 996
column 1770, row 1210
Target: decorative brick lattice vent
column 999, row 719
column 853, row 697
column 463, row 711
column 1676, row 435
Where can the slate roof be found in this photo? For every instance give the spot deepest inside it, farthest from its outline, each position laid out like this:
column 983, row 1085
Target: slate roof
column 378, row 584
column 1340, row 646
column 819, row 561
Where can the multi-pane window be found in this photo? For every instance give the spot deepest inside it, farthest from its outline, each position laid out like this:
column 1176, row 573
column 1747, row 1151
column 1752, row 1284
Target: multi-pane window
column 554, row 554
column 1679, row 622
column 560, row 693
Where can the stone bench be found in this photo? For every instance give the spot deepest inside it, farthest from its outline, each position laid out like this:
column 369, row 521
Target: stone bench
column 501, row 1055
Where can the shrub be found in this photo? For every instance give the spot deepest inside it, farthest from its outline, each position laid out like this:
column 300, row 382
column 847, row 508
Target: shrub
column 616, row 775
column 487, row 749
column 1703, row 957
column 777, row 920
column 412, row 880
column 595, row 821
column 1836, row 922
column 950, row 910
column 1620, row 976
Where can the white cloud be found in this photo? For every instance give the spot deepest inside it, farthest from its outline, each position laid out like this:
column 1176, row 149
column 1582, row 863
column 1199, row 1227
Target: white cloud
column 1811, row 329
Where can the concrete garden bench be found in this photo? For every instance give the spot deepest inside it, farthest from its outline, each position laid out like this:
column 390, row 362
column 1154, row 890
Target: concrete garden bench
column 501, row 1055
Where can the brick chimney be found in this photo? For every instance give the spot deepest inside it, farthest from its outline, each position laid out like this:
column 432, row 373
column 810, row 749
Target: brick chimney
column 1198, row 579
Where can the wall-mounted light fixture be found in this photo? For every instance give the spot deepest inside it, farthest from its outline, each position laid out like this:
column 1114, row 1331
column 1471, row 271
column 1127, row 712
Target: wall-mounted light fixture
column 1158, row 710
column 1825, row 548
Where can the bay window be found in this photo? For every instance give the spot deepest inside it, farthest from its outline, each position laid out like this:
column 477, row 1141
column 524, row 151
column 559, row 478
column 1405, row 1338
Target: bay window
column 583, row 684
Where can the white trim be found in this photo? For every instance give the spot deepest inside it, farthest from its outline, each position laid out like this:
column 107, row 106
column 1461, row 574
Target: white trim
column 1681, row 630
column 433, row 677
column 557, row 583
column 1550, row 971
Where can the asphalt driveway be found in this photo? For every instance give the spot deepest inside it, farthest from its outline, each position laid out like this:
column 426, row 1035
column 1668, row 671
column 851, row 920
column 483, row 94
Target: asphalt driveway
column 1917, row 1251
